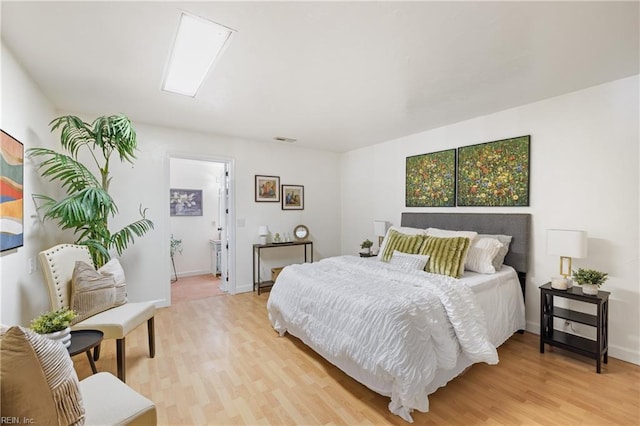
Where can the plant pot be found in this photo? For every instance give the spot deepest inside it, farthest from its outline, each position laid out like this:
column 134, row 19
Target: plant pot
column 590, row 289
column 62, row 336
column 366, row 250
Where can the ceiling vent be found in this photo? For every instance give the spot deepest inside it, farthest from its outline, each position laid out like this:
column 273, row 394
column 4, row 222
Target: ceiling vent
column 281, row 139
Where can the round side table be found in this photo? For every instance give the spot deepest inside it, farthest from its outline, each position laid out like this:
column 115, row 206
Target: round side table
column 84, row 341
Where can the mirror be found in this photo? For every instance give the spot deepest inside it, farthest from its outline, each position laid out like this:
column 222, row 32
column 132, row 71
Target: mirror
column 301, row 232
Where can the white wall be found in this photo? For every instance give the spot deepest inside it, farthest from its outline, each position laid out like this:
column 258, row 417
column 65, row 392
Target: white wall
column 25, row 115
column 584, row 175
column 196, row 231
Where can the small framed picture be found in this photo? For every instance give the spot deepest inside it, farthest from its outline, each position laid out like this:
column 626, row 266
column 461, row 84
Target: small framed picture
column 267, row 189
column 185, row 202
column 292, row 197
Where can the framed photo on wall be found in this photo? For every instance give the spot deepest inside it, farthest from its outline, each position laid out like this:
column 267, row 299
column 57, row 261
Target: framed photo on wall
column 431, row 179
column 185, row 202
column 292, row 197
column 494, row 173
column 267, row 189
column 12, row 194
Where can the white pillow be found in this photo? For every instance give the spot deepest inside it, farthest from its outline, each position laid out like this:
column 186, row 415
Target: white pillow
column 402, row 230
column 505, row 240
column 409, row 261
column 445, row 233
column 481, row 254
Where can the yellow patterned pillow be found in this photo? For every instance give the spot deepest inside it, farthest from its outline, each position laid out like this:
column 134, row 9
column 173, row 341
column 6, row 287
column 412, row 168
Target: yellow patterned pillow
column 446, row 255
column 404, row 243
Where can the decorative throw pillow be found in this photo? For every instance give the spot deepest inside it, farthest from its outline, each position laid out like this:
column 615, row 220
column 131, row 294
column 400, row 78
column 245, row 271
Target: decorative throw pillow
column 404, row 243
column 114, row 268
column 409, row 261
column 446, row 255
column 91, row 291
column 401, row 229
column 38, row 380
column 481, row 254
column 498, row 261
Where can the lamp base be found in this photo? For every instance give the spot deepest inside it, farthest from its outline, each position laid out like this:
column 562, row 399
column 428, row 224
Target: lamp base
column 559, row 283
column 263, row 240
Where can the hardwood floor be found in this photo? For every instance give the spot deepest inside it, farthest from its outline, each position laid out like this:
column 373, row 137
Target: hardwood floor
column 219, row 362
column 195, row 287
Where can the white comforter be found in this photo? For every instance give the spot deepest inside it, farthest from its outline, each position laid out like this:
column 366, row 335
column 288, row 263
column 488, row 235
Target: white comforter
column 400, row 326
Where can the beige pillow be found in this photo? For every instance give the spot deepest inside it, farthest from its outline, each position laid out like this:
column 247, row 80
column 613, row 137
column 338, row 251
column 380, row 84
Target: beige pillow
column 92, row 292
column 114, row 268
column 38, row 380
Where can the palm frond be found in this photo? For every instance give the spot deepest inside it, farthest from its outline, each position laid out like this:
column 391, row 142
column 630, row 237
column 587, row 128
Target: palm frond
column 74, row 134
column 116, row 132
column 72, row 174
column 121, row 239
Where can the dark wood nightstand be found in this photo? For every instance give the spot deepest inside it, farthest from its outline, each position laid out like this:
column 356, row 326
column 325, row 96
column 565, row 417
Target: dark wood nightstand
column 597, row 349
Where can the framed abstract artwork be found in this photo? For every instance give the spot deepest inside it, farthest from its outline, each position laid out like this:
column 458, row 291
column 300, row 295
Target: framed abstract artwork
column 11, row 192
column 431, row 179
column 185, row 202
column 494, row 173
column 292, row 197
column 267, row 189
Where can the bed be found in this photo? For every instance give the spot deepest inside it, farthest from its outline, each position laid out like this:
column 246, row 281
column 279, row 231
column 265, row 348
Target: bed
column 403, row 332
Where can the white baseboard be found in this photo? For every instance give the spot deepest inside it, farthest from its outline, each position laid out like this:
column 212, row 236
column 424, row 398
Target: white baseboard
column 194, row 273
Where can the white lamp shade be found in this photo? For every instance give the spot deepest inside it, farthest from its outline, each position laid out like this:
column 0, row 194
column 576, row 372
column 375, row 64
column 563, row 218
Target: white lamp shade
column 567, row 243
column 379, row 228
column 263, row 230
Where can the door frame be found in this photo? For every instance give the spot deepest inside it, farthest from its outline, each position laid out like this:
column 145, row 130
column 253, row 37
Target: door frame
column 231, row 228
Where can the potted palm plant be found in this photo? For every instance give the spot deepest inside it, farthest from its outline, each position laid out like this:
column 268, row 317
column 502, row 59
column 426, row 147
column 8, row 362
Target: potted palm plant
column 87, row 205
column 589, row 279
column 55, row 325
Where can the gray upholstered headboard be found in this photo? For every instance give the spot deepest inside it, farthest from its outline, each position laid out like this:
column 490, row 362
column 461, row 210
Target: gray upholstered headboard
column 515, row 224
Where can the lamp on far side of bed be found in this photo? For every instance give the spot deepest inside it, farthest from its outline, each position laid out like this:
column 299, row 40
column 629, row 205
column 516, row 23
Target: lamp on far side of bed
column 567, row 244
column 380, row 230
column 263, row 232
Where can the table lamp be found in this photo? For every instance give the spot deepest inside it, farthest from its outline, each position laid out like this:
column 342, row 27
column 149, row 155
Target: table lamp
column 379, row 230
column 567, row 244
column 263, row 232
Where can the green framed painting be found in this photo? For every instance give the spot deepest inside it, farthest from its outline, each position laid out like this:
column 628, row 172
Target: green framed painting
column 494, row 173
column 431, row 179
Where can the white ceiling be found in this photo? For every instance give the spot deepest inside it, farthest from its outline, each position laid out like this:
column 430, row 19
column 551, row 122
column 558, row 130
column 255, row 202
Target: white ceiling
column 334, row 75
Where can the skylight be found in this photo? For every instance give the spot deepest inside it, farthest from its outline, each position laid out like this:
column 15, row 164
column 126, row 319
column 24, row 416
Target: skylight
column 198, row 44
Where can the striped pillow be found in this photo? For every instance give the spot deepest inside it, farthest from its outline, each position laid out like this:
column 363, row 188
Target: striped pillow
column 92, row 292
column 401, row 242
column 446, row 255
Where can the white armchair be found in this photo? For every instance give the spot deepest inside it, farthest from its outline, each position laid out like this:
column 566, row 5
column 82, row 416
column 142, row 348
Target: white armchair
column 116, row 323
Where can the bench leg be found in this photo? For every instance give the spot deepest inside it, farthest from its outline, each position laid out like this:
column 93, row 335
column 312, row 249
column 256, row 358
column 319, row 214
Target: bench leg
column 120, row 357
column 152, row 337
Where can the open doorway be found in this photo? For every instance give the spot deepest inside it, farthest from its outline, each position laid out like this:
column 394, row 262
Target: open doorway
column 203, row 245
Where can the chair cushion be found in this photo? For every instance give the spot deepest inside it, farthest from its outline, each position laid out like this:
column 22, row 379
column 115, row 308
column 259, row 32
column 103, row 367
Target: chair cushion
column 117, row 322
column 38, row 380
column 123, row 406
column 91, row 291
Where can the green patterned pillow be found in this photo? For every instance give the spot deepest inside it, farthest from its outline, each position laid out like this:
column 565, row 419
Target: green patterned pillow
column 446, row 255
column 404, row 243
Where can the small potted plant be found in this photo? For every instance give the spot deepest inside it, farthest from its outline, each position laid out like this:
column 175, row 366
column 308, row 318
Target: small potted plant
column 55, row 325
column 366, row 246
column 589, row 279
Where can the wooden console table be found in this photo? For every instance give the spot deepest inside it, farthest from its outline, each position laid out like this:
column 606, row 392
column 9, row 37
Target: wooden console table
column 257, row 248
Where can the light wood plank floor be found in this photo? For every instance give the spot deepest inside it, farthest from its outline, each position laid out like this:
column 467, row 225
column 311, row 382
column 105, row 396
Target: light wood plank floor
column 219, row 362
